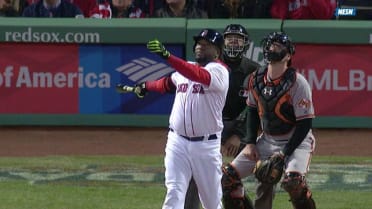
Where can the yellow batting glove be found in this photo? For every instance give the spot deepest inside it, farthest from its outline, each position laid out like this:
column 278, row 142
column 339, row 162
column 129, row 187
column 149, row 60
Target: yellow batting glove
column 157, row 47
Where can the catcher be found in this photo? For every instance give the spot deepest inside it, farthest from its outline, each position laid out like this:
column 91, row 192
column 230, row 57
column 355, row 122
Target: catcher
column 280, row 100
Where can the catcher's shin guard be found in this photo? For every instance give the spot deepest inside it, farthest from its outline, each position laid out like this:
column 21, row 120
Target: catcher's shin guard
column 299, row 192
column 234, row 196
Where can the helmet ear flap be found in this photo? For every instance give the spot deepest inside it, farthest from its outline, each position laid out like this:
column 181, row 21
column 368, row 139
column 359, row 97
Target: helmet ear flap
column 286, row 41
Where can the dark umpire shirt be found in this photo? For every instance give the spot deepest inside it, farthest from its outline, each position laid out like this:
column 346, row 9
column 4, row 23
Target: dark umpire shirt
column 235, row 101
column 65, row 9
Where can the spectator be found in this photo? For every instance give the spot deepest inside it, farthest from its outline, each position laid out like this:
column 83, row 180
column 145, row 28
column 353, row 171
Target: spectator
column 126, row 9
column 52, row 8
column 27, row 3
column 117, row 9
column 21, row 5
column 149, row 6
column 102, row 10
column 12, row 8
column 236, row 8
column 303, row 9
column 7, row 9
column 86, row 6
column 180, row 8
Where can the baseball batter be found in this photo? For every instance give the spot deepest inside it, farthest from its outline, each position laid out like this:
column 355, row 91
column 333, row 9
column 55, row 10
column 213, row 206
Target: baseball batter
column 195, row 123
column 279, row 99
column 234, row 118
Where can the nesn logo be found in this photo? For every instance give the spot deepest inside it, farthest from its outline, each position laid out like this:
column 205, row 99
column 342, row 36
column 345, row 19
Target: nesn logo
column 345, row 12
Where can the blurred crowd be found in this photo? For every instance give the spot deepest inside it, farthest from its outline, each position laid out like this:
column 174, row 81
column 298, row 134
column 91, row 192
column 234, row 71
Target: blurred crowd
column 277, row 9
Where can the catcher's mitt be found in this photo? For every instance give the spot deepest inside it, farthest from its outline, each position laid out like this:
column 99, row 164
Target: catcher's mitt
column 271, row 170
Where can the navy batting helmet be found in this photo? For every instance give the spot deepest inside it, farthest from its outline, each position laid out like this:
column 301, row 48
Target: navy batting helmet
column 233, row 51
column 212, row 36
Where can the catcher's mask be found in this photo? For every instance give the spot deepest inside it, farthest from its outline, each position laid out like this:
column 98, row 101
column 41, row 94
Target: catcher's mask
column 235, row 47
column 280, row 38
column 212, row 37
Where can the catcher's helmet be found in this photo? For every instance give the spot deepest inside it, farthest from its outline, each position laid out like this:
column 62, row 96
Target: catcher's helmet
column 233, row 51
column 278, row 37
column 212, row 36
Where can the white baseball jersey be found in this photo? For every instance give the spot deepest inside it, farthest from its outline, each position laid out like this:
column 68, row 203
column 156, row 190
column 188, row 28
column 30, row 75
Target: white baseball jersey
column 196, row 112
column 197, row 108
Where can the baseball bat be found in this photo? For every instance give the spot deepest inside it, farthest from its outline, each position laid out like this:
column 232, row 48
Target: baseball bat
column 126, row 89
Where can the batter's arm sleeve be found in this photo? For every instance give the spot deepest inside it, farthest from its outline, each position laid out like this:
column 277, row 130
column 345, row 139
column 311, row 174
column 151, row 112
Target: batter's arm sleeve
column 253, row 123
column 162, row 85
column 193, row 72
column 302, row 129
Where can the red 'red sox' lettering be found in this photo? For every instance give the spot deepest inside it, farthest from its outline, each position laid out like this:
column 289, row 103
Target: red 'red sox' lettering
column 182, row 87
column 197, row 88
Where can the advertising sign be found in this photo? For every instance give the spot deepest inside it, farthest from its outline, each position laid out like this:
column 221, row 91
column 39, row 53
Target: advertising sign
column 38, row 78
column 73, row 79
column 128, row 64
column 340, row 76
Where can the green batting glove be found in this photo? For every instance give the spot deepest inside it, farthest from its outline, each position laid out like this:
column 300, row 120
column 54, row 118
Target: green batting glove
column 157, row 47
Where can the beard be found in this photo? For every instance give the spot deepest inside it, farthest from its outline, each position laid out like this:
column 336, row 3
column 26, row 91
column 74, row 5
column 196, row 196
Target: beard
column 276, row 56
column 203, row 59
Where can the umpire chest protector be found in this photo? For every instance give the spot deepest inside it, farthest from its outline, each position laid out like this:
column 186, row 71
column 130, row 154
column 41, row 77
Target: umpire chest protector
column 235, row 100
column 274, row 102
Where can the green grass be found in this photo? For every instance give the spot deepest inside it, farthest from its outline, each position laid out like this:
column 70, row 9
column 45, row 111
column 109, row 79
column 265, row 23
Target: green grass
column 80, row 162
column 331, row 200
column 23, row 195
column 342, row 160
column 136, row 182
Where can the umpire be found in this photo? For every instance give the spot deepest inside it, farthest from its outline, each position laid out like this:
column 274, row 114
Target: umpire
column 234, row 113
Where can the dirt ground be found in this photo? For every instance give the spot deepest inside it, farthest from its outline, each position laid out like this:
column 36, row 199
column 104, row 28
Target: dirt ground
column 43, row 141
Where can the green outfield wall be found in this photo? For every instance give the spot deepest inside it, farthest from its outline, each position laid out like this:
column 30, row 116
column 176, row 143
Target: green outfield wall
column 176, row 31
